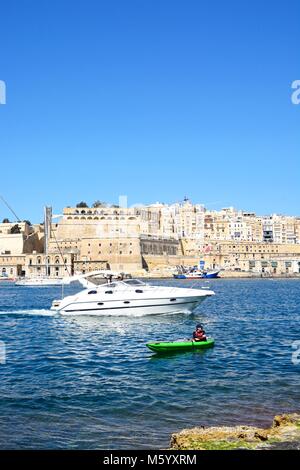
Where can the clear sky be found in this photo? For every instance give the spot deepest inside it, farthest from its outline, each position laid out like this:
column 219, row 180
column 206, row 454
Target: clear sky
column 155, row 99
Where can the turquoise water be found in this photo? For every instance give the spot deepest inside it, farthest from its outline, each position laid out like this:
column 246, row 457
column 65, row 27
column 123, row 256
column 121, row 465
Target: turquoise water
column 90, row 383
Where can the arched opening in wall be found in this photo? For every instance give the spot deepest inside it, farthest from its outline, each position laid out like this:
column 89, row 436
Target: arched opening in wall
column 90, row 218
column 132, row 218
column 70, row 218
column 56, row 260
column 39, row 260
column 96, row 218
column 76, row 218
column 83, row 218
column 83, row 212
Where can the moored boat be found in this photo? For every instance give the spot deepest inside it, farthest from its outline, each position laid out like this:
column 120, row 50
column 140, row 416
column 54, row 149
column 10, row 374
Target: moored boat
column 7, row 279
column 197, row 274
column 39, row 281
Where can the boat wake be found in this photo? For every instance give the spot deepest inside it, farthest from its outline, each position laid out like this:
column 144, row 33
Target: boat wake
column 39, row 312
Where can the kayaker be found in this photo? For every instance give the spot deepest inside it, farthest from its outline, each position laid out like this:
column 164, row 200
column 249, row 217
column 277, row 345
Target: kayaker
column 199, row 333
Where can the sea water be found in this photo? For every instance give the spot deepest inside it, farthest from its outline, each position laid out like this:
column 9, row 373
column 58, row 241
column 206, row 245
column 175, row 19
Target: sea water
column 90, row 382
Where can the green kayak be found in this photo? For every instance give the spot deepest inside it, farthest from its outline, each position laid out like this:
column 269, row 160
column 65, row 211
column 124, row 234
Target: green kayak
column 164, row 347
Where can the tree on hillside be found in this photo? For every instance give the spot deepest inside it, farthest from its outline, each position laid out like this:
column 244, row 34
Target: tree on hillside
column 5, row 221
column 15, row 229
column 82, row 204
column 99, row 204
column 27, row 222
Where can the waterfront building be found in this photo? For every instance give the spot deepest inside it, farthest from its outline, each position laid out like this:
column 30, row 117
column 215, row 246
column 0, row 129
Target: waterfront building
column 145, row 237
column 53, row 265
column 161, row 235
column 112, row 238
column 16, row 240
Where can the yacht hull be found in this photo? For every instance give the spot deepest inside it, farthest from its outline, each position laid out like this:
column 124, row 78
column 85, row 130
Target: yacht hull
column 133, row 307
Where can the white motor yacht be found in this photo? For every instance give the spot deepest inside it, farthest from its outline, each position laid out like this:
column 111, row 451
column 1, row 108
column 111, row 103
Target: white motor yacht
column 131, row 297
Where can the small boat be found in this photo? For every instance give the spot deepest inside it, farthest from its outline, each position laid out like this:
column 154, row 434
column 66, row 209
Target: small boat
column 39, row 281
column 7, row 279
column 210, row 274
column 176, row 346
column 197, row 274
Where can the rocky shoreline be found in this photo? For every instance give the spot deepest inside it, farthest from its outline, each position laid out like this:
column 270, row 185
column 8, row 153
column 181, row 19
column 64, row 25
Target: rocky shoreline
column 284, row 434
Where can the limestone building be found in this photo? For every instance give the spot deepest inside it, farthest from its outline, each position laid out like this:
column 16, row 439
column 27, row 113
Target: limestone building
column 16, row 240
column 109, row 237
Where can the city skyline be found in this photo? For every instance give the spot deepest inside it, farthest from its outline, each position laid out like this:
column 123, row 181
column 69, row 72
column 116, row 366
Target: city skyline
column 7, row 212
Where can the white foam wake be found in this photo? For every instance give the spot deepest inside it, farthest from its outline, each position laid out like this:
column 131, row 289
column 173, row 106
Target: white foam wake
column 41, row 312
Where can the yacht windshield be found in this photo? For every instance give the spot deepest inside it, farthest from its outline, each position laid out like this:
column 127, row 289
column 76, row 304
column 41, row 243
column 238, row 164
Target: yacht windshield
column 97, row 280
column 134, row 282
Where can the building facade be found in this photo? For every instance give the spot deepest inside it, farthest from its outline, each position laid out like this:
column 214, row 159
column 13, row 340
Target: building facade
column 125, row 239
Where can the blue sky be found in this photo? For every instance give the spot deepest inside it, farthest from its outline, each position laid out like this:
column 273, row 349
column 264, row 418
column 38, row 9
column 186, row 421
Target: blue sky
column 155, row 99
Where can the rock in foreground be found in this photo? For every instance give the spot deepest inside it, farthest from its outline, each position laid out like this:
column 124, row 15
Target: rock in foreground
column 283, row 434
